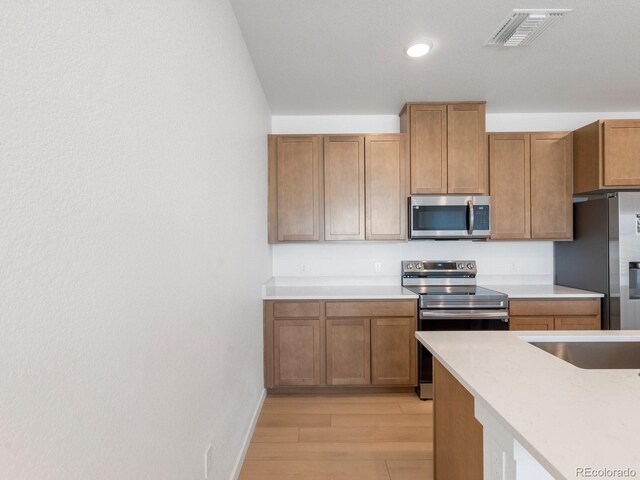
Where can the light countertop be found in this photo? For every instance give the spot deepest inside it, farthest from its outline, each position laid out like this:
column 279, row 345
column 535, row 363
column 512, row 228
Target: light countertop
column 377, row 288
column 336, row 292
column 542, row 291
column 565, row 416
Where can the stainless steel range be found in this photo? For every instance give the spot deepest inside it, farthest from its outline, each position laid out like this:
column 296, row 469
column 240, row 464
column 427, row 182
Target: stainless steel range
column 449, row 299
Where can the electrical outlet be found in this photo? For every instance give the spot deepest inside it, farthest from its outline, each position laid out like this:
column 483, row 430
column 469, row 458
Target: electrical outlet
column 377, row 267
column 303, row 268
column 208, row 461
column 513, row 267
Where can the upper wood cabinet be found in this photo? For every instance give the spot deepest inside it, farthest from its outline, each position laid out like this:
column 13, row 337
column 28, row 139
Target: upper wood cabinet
column 386, row 179
column 510, row 180
column 337, row 187
column 466, row 156
column 552, row 185
column 295, row 188
column 427, row 128
column 607, row 156
column 344, row 187
column 531, row 185
column 447, row 147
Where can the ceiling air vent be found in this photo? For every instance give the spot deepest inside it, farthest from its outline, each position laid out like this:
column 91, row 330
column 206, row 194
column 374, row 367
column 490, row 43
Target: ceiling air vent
column 523, row 26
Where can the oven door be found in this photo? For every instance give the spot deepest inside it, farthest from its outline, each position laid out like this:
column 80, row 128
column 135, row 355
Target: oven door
column 452, row 320
column 450, row 217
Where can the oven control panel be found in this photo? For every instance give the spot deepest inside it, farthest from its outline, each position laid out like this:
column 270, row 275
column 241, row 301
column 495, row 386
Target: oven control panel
column 439, row 267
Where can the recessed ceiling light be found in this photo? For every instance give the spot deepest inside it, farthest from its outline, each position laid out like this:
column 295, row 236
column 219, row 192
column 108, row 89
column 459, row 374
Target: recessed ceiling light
column 418, row 49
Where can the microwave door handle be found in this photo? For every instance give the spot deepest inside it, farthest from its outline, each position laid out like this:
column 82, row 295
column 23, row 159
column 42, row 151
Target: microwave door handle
column 470, row 216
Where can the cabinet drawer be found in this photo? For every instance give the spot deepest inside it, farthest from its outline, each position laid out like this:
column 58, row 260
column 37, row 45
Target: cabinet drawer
column 578, row 323
column 589, row 306
column 296, row 309
column 531, row 323
column 371, row 309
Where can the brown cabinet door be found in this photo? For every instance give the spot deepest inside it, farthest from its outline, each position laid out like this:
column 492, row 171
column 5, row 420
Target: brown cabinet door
column 510, row 185
column 621, row 152
column 294, row 188
column 348, row 351
column 296, row 352
column 428, row 124
column 386, row 179
column 552, row 185
column 393, row 351
column 344, row 187
column 578, row 323
column 531, row 323
column 466, row 149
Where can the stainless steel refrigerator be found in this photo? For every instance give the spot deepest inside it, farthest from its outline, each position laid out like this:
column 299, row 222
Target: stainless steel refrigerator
column 605, row 256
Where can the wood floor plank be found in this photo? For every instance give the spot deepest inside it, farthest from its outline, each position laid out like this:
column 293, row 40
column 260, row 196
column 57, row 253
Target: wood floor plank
column 300, row 420
column 314, row 470
column 417, row 407
column 366, row 434
column 410, row 469
column 332, row 408
column 342, row 436
column 342, row 398
column 275, row 434
column 409, row 420
column 341, row 451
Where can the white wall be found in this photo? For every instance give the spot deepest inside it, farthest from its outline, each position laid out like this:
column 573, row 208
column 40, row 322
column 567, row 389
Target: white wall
column 496, row 122
column 129, row 339
column 498, row 262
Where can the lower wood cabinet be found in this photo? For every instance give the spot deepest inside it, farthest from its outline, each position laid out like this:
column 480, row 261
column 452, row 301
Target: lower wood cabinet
column 393, row 351
column 296, row 352
column 348, row 351
column 582, row 314
column 340, row 343
column 531, row 323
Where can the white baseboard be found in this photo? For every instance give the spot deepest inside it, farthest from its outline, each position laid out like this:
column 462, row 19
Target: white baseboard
column 247, row 438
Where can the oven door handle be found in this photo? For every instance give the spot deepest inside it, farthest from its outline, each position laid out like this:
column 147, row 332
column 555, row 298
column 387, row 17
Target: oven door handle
column 465, row 315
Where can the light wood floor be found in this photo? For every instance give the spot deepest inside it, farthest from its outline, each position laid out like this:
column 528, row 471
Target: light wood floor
column 340, row 437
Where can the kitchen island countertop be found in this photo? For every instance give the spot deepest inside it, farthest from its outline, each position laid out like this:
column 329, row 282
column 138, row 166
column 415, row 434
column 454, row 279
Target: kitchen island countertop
column 566, row 417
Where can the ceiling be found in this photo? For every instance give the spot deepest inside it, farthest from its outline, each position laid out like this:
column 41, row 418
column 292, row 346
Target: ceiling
column 347, row 56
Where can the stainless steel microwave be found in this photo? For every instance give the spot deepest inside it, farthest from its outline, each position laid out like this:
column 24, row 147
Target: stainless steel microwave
column 450, row 217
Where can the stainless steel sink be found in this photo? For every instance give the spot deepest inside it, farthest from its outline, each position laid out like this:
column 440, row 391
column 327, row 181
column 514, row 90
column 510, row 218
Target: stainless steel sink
column 595, row 355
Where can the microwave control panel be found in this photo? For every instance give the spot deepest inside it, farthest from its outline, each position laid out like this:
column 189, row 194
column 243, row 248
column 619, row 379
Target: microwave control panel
column 481, row 217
